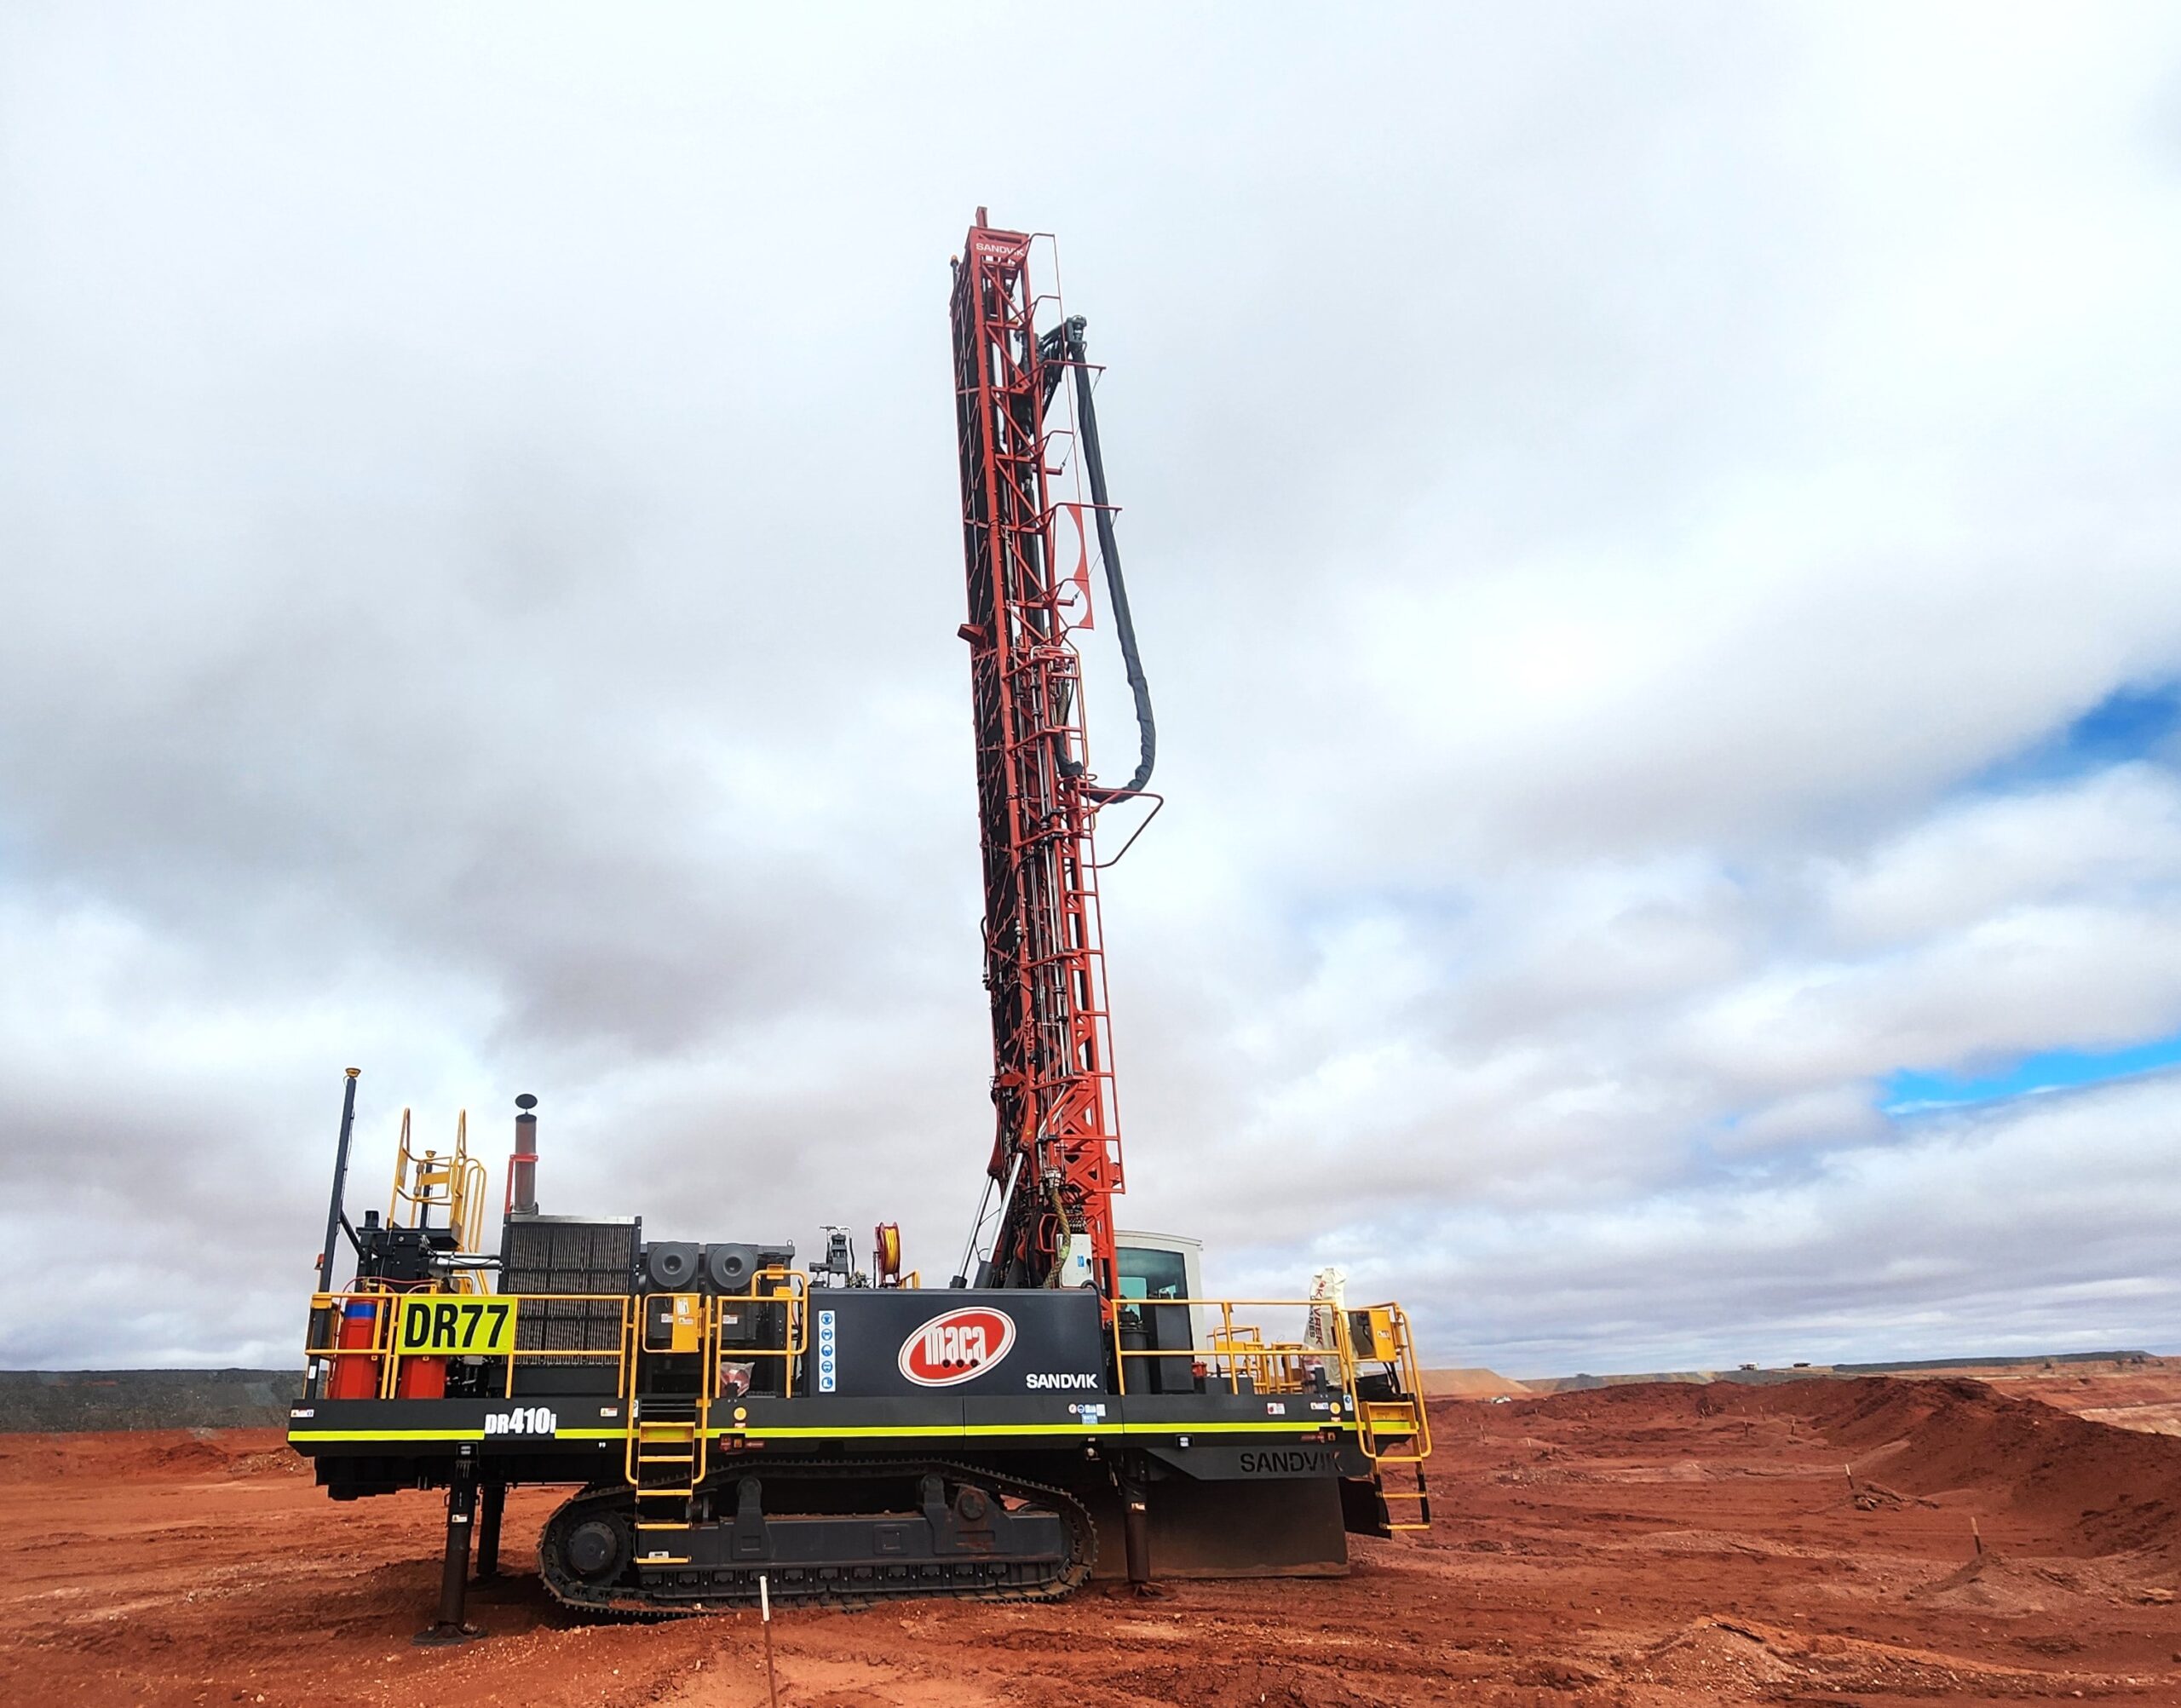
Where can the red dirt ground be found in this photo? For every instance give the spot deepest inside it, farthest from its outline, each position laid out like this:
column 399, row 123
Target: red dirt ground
column 1638, row 1546
column 2136, row 1396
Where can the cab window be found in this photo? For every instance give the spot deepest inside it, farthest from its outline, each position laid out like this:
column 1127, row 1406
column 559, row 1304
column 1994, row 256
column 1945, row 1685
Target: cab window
column 1148, row 1273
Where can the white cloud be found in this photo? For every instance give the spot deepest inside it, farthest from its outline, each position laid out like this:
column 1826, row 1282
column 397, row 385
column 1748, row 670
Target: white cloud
column 480, row 523
column 2113, row 833
column 2031, row 1228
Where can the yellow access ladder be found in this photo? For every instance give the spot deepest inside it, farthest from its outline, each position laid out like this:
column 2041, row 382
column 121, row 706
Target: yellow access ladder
column 454, row 1184
column 667, row 1449
column 1396, row 1430
column 665, row 1464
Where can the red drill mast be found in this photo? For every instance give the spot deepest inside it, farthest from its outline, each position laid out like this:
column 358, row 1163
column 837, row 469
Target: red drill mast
column 1056, row 1156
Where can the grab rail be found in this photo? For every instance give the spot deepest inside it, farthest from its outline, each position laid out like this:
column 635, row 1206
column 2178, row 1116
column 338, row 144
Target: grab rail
column 479, row 1331
column 1236, row 1352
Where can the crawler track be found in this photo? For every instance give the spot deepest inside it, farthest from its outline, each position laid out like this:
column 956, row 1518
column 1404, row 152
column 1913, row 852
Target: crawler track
column 968, row 1577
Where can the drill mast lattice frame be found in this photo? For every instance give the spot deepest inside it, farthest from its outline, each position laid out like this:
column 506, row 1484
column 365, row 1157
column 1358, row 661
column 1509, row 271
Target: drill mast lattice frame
column 1057, row 1154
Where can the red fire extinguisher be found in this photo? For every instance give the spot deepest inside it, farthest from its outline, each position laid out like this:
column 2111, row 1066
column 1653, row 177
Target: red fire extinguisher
column 355, row 1372
column 417, row 1375
column 420, row 1378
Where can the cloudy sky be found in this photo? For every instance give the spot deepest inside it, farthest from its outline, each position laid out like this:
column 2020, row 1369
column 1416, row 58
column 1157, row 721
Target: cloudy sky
column 1657, row 545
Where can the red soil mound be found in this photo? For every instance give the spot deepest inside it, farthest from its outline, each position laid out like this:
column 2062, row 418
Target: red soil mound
column 151, row 1455
column 2094, row 1489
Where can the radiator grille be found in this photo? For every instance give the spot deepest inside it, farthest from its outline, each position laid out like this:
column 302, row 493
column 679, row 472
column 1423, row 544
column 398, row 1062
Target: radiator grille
column 559, row 1255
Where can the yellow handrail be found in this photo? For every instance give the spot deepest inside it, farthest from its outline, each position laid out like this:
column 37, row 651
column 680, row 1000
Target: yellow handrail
column 1234, row 1352
column 386, row 1342
column 1410, row 1420
column 1239, row 1351
column 1272, row 1366
column 792, row 1289
column 787, row 1288
column 455, row 1183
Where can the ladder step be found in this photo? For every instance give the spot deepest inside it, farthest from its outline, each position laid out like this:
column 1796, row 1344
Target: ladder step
column 665, row 1462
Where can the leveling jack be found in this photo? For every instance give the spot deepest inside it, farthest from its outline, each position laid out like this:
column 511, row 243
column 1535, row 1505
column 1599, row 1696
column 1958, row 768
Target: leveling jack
column 492, row 1503
column 454, row 1570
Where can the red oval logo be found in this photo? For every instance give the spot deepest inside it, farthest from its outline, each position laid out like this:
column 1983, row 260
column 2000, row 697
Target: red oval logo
column 957, row 1345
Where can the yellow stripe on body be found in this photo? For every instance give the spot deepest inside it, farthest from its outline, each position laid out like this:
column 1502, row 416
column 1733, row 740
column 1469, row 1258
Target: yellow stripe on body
column 1292, row 1426
column 770, row 1432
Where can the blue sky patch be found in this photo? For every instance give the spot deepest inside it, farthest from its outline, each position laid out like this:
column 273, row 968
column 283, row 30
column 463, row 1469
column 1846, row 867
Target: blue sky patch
column 2131, row 722
column 1906, row 1090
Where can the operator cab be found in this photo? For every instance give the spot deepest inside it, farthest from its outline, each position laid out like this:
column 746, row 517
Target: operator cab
column 1149, row 1269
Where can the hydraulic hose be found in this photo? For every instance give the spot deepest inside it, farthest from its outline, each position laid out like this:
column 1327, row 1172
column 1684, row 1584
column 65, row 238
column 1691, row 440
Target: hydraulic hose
column 1086, row 410
column 1061, row 1230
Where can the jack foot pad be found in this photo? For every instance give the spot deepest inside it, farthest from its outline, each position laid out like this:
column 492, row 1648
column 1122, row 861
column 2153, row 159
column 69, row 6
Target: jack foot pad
column 445, row 1636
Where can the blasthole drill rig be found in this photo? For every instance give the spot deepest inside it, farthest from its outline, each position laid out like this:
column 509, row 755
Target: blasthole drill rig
column 736, row 1426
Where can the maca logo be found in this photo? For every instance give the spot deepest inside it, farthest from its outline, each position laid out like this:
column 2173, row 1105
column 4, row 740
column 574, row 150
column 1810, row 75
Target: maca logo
column 955, row 1346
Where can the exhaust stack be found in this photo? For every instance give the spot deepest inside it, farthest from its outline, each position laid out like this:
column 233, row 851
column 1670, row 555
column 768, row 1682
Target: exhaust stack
column 523, row 1166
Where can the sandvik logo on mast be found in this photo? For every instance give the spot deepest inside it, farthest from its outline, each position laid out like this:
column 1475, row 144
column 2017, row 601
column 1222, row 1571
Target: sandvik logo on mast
column 957, row 1345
